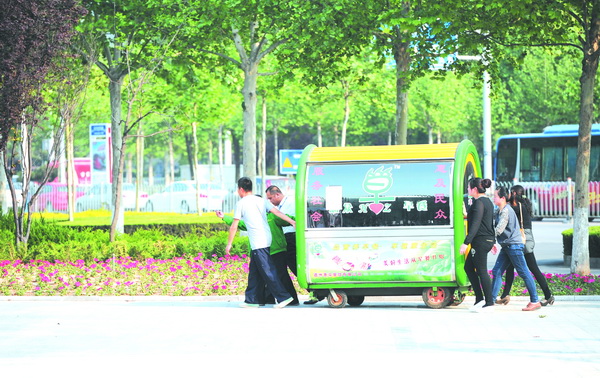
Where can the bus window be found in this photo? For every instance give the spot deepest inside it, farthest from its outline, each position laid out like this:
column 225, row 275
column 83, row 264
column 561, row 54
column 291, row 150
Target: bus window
column 571, row 163
column 552, row 170
column 544, row 157
column 594, row 163
column 506, row 160
column 530, row 162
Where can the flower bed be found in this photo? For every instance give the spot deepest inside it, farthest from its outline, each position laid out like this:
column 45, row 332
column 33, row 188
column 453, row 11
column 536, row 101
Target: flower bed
column 124, row 276
column 561, row 284
column 180, row 276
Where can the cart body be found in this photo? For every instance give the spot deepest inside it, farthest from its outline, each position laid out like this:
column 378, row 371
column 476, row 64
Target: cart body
column 384, row 220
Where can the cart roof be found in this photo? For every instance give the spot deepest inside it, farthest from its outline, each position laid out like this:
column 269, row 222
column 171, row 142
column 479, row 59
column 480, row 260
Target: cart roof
column 374, row 153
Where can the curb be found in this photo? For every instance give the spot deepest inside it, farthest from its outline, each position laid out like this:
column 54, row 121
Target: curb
column 240, row 298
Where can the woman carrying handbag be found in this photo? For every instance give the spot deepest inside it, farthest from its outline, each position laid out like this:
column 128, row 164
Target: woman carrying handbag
column 522, row 207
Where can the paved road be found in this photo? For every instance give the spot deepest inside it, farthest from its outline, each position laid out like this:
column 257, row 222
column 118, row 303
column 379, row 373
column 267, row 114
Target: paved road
column 172, row 337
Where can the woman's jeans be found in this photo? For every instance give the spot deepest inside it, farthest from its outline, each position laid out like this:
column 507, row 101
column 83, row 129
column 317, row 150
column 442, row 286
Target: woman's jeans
column 513, row 253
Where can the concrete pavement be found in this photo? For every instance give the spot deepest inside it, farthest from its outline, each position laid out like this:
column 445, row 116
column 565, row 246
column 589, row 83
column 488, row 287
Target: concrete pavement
column 203, row 336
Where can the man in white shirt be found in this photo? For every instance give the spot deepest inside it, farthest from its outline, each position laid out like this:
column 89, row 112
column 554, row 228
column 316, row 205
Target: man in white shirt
column 253, row 211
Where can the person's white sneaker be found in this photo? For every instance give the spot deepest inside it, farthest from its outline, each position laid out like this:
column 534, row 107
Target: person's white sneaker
column 284, row 303
column 477, row 306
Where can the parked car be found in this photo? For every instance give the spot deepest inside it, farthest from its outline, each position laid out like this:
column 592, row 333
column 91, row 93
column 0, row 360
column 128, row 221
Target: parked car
column 53, row 197
column 180, row 197
column 99, row 196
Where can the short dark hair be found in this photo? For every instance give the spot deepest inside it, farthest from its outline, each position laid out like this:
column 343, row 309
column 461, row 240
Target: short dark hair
column 245, row 183
column 273, row 189
column 502, row 192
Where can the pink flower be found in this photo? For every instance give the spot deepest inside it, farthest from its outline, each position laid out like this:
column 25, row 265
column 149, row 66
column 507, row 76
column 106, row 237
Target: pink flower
column 578, row 290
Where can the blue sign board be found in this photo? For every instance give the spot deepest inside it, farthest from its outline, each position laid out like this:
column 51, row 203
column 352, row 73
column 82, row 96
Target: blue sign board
column 288, row 161
column 98, row 129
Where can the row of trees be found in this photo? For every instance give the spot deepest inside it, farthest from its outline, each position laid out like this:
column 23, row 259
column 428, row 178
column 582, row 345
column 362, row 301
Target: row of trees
column 185, row 59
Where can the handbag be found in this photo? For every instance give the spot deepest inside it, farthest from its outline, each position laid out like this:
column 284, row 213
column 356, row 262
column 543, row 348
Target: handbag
column 523, row 237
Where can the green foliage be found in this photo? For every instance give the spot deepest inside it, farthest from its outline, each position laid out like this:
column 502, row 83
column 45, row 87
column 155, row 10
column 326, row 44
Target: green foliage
column 594, row 241
column 212, row 247
column 50, row 241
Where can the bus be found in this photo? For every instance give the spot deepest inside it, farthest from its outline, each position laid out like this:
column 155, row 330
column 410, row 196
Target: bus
column 544, row 164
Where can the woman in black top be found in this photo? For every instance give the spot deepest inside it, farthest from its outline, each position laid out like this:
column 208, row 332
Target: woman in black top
column 482, row 238
column 521, row 205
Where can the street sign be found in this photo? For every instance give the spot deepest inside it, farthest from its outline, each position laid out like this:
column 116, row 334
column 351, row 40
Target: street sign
column 288, row 161
column 100, row 153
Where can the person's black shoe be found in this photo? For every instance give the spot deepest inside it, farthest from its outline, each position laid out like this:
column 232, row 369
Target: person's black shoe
column 311, row 302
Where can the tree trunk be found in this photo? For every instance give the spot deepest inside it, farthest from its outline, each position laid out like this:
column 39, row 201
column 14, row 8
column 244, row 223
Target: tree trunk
column 71, row 175
column 210, row 177
column 3, row 186
column 139, row 170
column 190, row 153
column 276, row 147
column 235, row 141
column 319, row 135
column 117, row 225
column 195, row 164
column 402, row 58
column 249, row 116
column 114, row 87
column 429, row 127
column 171, row 159
column 263, row 143
column 220, row 152
column 346, row 88
column 580, row 259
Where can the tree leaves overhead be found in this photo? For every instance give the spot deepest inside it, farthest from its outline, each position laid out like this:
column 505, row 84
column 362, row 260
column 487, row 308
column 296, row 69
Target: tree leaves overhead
column 31, row 34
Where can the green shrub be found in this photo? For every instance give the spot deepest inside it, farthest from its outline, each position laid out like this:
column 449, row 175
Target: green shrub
column 594, row 241
column 7, row 245
column 51, row 241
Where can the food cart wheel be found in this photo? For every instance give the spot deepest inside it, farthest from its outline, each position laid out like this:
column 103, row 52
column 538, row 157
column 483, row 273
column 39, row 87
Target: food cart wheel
column 439, row 299
column 337, row 299
column 356, row 300
column 457, row 298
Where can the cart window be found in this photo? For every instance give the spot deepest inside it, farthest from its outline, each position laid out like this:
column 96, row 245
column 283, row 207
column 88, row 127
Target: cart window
column 379, row 195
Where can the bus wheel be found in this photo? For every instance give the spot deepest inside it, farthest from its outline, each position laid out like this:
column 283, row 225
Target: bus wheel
column 437, row 299
column 356, row 300
column 457, row 298
column 339, row 300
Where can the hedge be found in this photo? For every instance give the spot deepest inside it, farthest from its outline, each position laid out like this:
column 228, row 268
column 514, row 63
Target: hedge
column 49, row 241
column 594, row 241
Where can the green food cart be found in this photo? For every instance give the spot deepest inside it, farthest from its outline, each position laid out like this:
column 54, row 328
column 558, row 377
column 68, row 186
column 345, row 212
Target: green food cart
column 384, row 221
